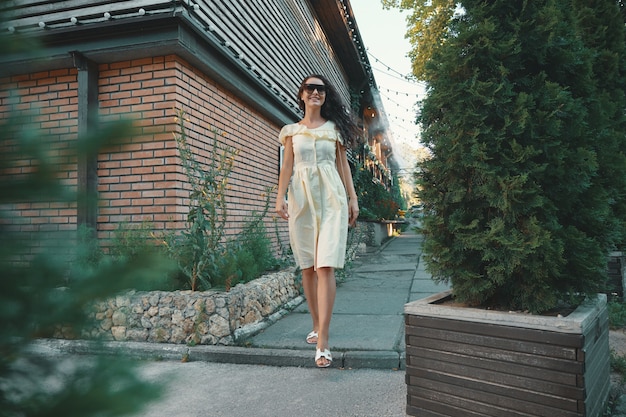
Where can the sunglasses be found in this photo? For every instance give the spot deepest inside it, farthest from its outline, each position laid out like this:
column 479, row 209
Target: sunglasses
column 321, row 88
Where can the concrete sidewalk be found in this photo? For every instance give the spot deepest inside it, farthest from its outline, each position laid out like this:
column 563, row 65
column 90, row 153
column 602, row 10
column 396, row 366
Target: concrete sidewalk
column 366, row 331
column 367, row 327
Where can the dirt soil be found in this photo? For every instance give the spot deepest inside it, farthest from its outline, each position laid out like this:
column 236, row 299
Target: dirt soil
column 617, row 341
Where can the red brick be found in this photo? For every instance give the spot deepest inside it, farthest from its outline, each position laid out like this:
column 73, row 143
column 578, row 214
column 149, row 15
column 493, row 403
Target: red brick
column 131, row 179
column 148, row 169
column 142, row 170
column 120, row 187
column 127, row 85
column 153, row 194
column 120, row 203
column 130, row 101
column 142, row 202
column 142, row 186
column 131, row 210
column 120, row 171
column 121, row 64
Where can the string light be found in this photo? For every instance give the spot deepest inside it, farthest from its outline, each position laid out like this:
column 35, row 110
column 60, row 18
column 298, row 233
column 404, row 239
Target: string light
column 395, row 73
column 404, row 93
column 403, row 76
column 398, row 105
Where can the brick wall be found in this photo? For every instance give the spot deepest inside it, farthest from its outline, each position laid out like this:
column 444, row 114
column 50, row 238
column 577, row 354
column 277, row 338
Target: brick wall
column 47, row 101
column 141, row 178
column 239, row 126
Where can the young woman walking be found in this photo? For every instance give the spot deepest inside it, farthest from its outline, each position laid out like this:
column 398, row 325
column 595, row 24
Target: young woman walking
column 321, row 202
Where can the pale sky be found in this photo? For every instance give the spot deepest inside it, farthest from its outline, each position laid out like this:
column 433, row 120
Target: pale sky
column 383, row 32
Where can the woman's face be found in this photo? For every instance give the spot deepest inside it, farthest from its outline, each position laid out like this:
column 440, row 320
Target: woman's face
column 313, row 92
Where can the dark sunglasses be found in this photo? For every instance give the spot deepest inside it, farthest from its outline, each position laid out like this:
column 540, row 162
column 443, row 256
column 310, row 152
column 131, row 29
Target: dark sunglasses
column 321, row 88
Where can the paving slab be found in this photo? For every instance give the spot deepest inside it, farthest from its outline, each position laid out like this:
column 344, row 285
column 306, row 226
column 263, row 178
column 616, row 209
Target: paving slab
column 371, row 302
column 347, row 332
column 287, row 333
column 428, row 286
column 386, row 267
column 350, row 332
column 414, row 296
column 373, row 281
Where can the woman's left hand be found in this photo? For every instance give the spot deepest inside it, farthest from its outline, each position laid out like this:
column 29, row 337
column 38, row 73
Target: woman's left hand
column 353, row 211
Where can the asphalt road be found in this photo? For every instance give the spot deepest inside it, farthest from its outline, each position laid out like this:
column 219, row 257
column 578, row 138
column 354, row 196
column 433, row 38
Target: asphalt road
column 203, row 389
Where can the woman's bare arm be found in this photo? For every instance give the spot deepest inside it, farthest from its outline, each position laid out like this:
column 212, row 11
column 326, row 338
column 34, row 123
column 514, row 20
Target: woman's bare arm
column 346, row 177
column 283, row 179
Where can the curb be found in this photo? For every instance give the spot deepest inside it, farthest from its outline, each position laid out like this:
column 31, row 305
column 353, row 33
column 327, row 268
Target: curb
column 219, row 354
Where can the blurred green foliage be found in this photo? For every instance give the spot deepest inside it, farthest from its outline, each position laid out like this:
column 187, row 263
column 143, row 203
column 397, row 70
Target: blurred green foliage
column 376, row 202
column 50, row 278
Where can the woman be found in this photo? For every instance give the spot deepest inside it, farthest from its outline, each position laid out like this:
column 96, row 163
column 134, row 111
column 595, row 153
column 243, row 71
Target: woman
column 322, row 200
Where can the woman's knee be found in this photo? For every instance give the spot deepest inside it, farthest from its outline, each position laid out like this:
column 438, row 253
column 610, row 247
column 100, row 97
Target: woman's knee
column 326, row 270
column 308, row 273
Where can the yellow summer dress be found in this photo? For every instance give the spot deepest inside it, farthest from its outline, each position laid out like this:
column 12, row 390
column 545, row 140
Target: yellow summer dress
column 317, row 200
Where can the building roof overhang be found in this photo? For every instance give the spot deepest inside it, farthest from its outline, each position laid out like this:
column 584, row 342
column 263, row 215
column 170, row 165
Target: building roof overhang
column 175, row 31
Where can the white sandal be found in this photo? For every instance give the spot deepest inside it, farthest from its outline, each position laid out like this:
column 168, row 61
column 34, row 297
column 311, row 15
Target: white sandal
column 323, row 354
column 310, row 336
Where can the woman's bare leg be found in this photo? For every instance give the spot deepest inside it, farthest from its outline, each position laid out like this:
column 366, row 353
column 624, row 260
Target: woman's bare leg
column 309, row 283
column 326, row 291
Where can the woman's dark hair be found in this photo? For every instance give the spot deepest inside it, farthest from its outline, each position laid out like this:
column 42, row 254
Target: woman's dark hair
column 335, row 110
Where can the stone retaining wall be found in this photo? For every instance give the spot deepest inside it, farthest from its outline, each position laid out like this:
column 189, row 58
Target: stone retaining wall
column 377, row 232
column 195, row 317
column 374, row 233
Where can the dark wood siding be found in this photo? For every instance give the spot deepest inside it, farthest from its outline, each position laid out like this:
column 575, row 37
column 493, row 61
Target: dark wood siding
column 280, row 40
column 464, row 368
column 25, row 15
column 276, row 41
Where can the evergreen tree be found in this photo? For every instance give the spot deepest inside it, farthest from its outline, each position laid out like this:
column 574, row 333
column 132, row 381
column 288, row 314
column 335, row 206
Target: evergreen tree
column 518, row 214
column 50, row 279
column 601, row 30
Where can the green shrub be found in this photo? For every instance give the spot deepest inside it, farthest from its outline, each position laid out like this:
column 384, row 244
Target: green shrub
column 285, row 254
column 617, row 314
column 206, row 258
column 254, row 242
column 199, row 247
column 129, row 240
column 375, row 201
column 366, row 214
column 248, row 254
column 618, row 364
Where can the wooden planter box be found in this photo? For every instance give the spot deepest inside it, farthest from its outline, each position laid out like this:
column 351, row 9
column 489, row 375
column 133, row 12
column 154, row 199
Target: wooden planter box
column 472, row 362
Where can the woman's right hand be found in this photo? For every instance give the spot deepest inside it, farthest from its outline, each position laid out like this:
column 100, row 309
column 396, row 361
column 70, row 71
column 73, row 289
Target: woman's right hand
column 281, row 208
